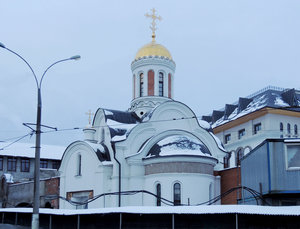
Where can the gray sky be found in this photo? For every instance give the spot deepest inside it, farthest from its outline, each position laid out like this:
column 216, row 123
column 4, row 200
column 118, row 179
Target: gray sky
column 222, row 49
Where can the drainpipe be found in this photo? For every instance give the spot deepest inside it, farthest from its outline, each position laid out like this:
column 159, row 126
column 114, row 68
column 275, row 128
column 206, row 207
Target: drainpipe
column 114, row 149
column 269, row 166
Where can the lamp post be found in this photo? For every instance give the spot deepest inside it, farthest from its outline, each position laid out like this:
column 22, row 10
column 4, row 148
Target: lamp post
column 36, row 197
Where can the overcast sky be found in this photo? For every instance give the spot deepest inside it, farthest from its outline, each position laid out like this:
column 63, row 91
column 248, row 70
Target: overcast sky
column 223, row 50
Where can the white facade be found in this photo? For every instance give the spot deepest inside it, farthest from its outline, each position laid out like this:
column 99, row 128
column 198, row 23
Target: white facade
column 158, row 146
column 267, row 116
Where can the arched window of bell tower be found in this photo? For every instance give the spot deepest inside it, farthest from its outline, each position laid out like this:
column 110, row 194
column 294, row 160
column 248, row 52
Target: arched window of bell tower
column 133, row 79
column 170, row 85
column 161, row 84
column 150, row 82
column 141, row 84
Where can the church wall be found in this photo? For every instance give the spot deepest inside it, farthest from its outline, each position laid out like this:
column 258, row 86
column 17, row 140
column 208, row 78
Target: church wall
column 93, row 176
column 194, row 187
column 179, row 167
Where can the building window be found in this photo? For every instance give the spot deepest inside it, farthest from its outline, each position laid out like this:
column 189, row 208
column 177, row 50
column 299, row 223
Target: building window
column 11, row 164
column 293, row 156
column 25, row 165
column 161, row 83
column 142, row 84
column 227, row 138
column 79, row 165
column 55, row 164
column 177, row 194
column 1, row 163
column 227, row 161
column 44, row 164
column 158, row 195
column 257, row 127
column 295, row 129
column 241, row 133
column 81, row 198
column 281, row 126
column 289, row 129
column 239, row 155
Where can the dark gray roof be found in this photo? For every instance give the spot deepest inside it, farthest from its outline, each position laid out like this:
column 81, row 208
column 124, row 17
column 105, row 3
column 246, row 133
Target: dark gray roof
column 119, row 122
column 272, row 97
column 179, row 145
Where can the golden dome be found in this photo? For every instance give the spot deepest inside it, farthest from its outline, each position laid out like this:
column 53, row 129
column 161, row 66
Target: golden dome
column 153, row 49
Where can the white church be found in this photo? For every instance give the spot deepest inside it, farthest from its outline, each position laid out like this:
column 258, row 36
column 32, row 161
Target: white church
column 156, row 153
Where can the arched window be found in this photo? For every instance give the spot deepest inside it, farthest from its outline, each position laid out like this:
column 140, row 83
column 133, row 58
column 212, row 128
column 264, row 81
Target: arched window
column 150, row 83
column 227, row 161
column 239, row 155
column 295, row 129
column 210, row 191
column 142, row 84
column 177, row 194
column 170, row 85
column 161, row 84
column 79, row 165
column 134, row 86
column 158, row 195
column 289, row 128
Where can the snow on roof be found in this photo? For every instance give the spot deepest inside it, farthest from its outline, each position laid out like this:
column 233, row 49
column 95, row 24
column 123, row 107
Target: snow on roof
column 270, row 97
column 120, row 123
column 205, row 125
column 28, row 150
column 200, row 210
column 101, row 151
column 179, row 145
column 218, row 141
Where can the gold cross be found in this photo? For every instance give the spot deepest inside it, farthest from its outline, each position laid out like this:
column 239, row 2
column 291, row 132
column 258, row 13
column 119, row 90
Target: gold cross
column 90, row 114
column 153, row 24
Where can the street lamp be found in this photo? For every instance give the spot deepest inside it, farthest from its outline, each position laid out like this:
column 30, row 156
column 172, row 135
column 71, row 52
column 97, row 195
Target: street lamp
column 36, row 198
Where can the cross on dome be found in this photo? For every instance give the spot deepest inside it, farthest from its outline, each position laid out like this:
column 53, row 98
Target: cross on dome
column 90, row 114
column 153, row 24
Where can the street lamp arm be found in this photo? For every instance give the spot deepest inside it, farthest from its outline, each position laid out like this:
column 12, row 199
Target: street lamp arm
column 71, row 58
column 36, row 80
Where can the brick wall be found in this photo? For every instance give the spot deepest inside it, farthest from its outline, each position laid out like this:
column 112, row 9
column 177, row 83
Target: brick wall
column 52, row 188
column 230, row 178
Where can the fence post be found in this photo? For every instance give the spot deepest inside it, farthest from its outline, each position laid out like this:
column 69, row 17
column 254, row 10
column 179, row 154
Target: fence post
column 120, row 221
column 78, row 221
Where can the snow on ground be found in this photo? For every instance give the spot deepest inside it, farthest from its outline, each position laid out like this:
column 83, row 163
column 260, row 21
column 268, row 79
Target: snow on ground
column 207, row 209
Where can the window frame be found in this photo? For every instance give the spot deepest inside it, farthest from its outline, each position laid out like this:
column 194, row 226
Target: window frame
column 55, row 164
column 158, row 194
column 241, row 133
column 160, row 84
column 142, row 91
column 256, row 128
column 1, row 163
column 12, row 162
column 227, row 138
column 26, row 163
column 42, row 163
column 177, row 201
column 286, row 157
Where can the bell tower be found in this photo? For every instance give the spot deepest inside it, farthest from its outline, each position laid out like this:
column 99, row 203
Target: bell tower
column 153, row 73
